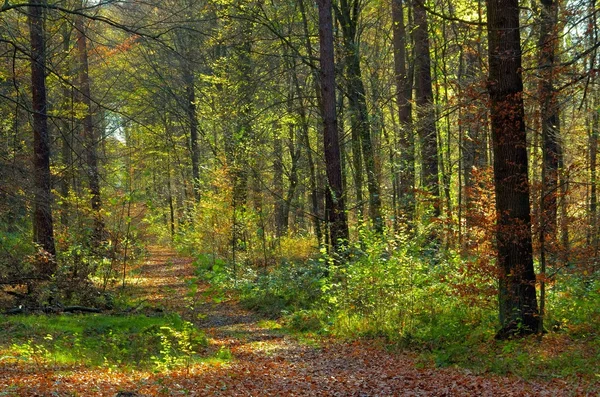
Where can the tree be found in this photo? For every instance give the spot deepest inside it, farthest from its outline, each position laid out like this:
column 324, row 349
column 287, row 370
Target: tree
column 426, row 127
column 348, row 14
column 517, row 297
column 90, row 139
column 43, row 226
column 186, row 46
column 336, row 215
column 404, row 173
column 552, row 154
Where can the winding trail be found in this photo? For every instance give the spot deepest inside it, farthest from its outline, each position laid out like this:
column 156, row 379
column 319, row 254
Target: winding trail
column 270, row 363
column 267, row 362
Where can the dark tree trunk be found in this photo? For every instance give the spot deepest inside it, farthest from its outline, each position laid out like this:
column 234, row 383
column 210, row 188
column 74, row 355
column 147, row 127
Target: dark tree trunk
column 336, row 215
column 66, row 134
column 294, row 148
column 187, row 48
column 426, row 113
column 404, row 172
column 517, row 298
column 43, row 228
column 314, row 188
column 312, row 174
column 278, row 183
column 90, row 138
column 348, row 14
column 190, row 101
column 594, row 132
column 593, row 209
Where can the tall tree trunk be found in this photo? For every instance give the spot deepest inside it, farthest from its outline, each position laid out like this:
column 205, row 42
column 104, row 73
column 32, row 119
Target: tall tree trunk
column 190, row 110
column 404, row 172
column 295, row 150
column 314, row 186
column 43, row 227
column 66, row 133
column 549, row 110
column 336, row 215
column 593, row 210
column 594, row 133
column 294, row 147
column 187, row 55
column 426, row 113
column 238, row 139
column 473, row 148
column 312, row 173
column 517, row 297
column 90, row 138
column 280, row 228
column 348, row 14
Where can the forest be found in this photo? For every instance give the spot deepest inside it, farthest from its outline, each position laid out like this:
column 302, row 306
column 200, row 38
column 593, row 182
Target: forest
column 295, row 197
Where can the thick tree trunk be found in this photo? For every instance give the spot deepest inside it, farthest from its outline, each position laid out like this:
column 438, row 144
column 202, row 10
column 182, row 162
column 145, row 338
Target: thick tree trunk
column 43, row 227
column 90, row 138
column 404, row 172
column 336, row 215
column 426, row 113
column 517, row 297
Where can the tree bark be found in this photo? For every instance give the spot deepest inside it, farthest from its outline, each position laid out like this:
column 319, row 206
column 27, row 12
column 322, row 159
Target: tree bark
column 593, row 208
column 280, row 227
column 425, row 110
column 336, row 215
column 190, row 102
column 348, row 13
column 404, row 172
column 549, row 110
column 43, row 227
column 66, row 133
column 517, row 297
column 90, row 138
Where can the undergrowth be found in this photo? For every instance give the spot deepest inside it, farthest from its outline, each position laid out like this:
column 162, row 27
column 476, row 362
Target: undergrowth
column 441, row 306
column 125, row 342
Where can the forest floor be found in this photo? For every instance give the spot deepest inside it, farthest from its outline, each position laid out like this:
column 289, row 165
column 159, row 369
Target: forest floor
column 262, row 359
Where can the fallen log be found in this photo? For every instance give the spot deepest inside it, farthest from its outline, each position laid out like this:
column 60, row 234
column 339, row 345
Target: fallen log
column 83, row 309
column 53, row 310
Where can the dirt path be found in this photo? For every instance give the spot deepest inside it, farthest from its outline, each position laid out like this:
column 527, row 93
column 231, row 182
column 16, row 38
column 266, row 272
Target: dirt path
column 266, row 362
column 269, row 363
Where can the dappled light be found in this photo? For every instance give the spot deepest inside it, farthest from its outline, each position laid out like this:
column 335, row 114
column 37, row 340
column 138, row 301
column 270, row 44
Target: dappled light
column 299, row 198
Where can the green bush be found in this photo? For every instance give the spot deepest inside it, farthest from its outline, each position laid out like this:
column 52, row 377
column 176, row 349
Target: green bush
column 97, row 340
column 287, row 288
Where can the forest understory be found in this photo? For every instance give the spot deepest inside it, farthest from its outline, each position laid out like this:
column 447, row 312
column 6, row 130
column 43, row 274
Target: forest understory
column 330, row 197
column 244, row 354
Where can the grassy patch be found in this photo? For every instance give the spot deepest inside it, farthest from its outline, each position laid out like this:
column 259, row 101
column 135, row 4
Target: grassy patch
column 556, row 355
column 137, row 341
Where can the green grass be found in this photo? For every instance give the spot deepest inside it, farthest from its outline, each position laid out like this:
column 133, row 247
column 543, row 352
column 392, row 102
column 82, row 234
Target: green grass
column 137, row 341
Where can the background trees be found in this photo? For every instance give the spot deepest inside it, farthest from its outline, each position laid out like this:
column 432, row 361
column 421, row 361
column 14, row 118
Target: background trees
column 245, row 131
